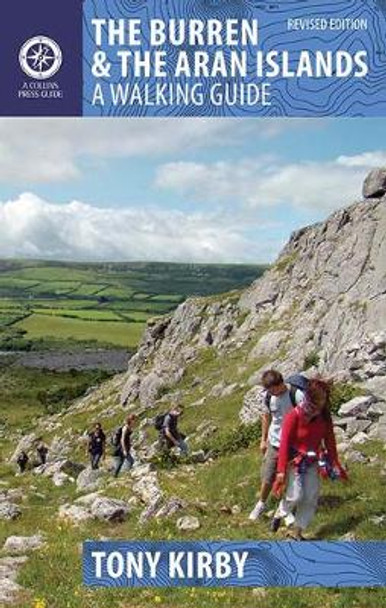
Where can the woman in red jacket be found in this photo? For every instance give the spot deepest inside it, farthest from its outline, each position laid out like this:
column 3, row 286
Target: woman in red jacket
column 307, row 429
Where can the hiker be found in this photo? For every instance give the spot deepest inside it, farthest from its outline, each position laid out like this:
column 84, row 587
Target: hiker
column 122, row 441
column 96, row 445
column 170, row 435
column 22, row 461
column 306, row 430
column 279, row 398
column 42, row 451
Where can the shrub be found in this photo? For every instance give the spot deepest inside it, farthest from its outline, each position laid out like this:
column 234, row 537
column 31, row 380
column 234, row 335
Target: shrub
column 311, row 360
column 233, row 440
column 342, row 392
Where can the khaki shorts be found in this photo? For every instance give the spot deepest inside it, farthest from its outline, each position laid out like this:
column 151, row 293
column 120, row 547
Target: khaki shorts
column 269, row 465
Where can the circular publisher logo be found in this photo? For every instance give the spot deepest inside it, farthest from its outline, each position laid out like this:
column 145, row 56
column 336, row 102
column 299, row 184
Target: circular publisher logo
column 40, row 57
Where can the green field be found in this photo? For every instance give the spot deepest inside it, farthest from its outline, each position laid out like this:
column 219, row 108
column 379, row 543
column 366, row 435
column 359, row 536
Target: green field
column 107, row 303
column 120, row 334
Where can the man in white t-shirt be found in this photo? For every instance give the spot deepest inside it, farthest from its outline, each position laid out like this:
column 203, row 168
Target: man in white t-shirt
column 278, row 400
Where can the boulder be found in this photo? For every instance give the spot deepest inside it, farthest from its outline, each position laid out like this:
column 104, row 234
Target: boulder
column 357, row 426
column 343, row 422
column 359, row 438
column 374, row 185
column 353, row 456
column 26, row 444
column 59, row 479
column 8, row 510
column 150, row 510
column 378, row 430
column 74, row 514
column 188, row 523
column 15, row 494
column 172, row 506
column 89, row 480
column 62, row 465
column 109, row 509
column 23, row 544
column 147, row 487
column 358, row 405
column 9, row 570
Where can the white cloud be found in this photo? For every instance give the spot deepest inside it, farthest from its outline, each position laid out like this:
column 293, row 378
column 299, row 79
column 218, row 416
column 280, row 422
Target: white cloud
column 32, row 227
column 48, row 150
column 367, row 159
column 266, row 182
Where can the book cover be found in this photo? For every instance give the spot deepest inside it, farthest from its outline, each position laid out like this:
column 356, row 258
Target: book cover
column 192, row 303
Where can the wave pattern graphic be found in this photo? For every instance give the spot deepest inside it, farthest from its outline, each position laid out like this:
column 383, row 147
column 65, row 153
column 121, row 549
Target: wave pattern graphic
column 268, row 564
column 290, row 96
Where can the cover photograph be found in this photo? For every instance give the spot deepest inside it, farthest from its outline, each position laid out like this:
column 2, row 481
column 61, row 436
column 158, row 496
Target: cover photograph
column 193, row 304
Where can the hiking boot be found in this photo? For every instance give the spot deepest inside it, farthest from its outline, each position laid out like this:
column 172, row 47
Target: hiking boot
column 275, row 524
column 257, row 511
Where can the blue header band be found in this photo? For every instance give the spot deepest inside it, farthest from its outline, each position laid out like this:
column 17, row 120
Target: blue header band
column 221, row 58
column 234, row 564
column 308, row 39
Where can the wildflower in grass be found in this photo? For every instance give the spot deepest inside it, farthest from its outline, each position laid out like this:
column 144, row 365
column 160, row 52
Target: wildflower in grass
column 157, row 599
column 39, row 603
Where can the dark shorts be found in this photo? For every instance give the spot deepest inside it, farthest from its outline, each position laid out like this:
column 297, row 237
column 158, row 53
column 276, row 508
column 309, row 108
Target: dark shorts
column 269, row 465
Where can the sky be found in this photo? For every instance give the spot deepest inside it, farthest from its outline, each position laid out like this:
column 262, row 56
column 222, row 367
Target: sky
column 182, row 190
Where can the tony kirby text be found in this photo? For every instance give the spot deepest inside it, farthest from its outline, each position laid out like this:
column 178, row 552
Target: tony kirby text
column 131, row 566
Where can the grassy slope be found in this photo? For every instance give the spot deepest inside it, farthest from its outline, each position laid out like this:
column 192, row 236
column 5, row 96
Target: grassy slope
column 54, row 573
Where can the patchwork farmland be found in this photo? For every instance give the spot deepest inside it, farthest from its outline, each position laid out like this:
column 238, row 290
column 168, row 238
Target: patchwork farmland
column 55, row 305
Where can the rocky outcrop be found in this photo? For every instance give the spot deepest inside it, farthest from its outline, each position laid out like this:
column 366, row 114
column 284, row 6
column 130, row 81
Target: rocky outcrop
column 322, row 305
column 375, row 184
column 95, row 506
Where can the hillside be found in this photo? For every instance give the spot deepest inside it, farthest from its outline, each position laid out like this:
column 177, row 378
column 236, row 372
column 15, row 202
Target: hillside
column 320, row 308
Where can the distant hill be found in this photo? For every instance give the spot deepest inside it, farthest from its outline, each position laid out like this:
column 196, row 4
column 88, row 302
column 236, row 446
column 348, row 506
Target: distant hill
column 106, row 302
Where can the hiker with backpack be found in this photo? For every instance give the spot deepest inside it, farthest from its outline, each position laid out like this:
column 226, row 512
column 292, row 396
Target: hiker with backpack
column 307, row 430
column 22, row 461
column 96, row 445
column 122, row 445
column 167, row 425
column 278, row 399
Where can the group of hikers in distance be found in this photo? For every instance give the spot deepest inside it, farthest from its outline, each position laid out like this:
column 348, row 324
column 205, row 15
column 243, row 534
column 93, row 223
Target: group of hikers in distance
column 169, row 437
column 297, row 443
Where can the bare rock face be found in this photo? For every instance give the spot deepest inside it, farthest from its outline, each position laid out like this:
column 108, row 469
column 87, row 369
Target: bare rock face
column 375, row 184
column 321, row 307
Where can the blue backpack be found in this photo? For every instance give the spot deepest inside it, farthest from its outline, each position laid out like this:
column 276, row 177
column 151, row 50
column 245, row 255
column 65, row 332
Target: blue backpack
column 296, row 382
